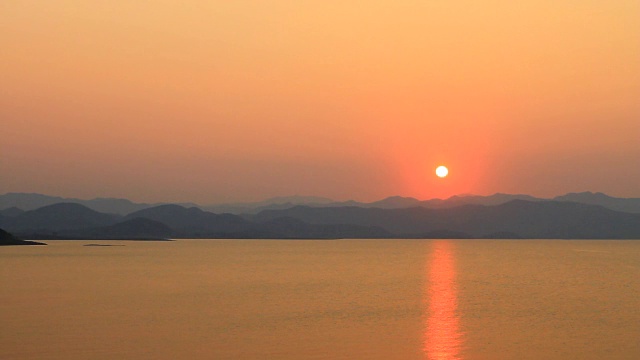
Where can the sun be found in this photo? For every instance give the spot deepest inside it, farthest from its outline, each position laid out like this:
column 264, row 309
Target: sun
column 442, row 171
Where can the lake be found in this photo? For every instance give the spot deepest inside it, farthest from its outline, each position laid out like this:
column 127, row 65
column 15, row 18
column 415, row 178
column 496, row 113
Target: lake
column 321, row 299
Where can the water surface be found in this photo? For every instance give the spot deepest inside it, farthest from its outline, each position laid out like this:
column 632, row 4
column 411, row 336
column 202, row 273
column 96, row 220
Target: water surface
column 346, row 299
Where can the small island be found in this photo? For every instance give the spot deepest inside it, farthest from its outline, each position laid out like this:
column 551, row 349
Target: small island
column 8, row 239
column 101, row 245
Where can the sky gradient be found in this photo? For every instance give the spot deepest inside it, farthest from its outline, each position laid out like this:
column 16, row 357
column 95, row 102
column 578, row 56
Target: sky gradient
column 220, row 101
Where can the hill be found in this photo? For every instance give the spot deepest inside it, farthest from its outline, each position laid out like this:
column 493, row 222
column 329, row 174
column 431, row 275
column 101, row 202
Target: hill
column 58, row 217
column 194, row 222
column 8, row 239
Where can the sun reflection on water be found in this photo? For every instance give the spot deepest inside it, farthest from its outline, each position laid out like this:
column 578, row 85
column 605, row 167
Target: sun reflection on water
column 442, row 338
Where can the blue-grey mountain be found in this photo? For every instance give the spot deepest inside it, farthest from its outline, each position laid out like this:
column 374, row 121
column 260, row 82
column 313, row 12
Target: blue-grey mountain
column 523, row 219
column 513, row 219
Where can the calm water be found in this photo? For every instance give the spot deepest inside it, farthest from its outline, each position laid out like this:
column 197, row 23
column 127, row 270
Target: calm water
column 346, row 299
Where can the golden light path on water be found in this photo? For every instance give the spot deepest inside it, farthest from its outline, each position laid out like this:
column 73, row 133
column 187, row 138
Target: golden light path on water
column 442, row 339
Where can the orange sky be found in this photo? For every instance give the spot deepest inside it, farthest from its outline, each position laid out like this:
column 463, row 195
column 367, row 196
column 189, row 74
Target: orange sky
column 216, row 101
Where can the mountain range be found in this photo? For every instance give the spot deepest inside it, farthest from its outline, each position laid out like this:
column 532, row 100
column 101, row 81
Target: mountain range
column 497, row 216
column 15, row 203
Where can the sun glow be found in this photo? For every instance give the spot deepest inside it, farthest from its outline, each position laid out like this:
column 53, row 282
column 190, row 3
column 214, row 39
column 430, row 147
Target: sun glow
column 442, row 171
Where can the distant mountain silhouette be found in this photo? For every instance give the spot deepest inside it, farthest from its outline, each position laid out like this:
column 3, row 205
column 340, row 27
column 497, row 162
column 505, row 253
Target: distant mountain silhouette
column 526, row 219
column 399, row 202
column 395, row 202
column 29, row 201
column 8, row 239
column 194, row 222
column 631, row 205
column 458, row 200
column 392, row 202
column 282, row 202
column 74, row 221
column 25, row 201
column 457, row 217
column 58, row 217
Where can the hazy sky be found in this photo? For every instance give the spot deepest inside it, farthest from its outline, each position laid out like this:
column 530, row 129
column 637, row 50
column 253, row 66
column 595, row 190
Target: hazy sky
column 215, row 101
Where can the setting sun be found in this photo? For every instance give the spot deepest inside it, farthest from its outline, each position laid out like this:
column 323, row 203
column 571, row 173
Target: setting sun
column 442, row 171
